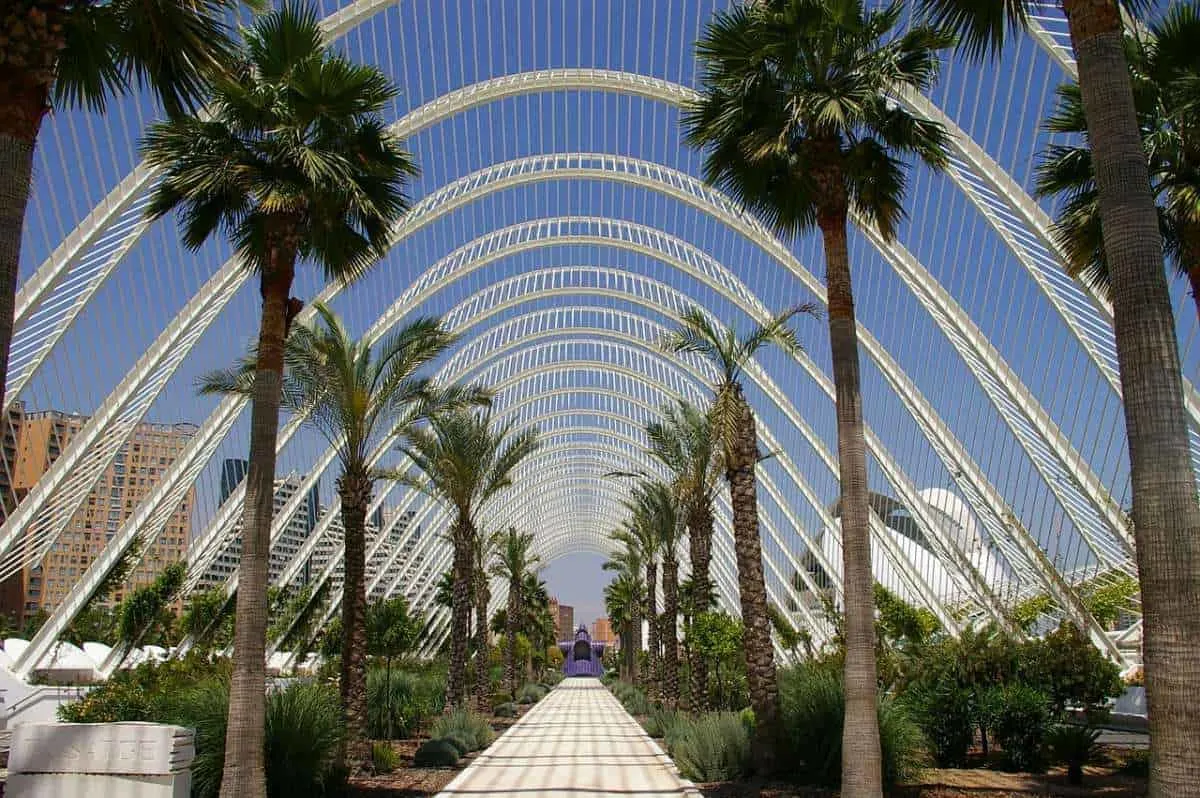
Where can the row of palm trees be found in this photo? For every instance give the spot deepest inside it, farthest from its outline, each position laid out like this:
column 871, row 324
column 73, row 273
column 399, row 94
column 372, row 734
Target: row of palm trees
column 797, row 120
column 696, row 449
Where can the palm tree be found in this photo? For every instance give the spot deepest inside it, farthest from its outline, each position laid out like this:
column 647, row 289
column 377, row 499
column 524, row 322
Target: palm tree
column 515, row 562
column 683, row 441
column 1166, row 516
column 623, row 601
column 1166, row 80
column 483, row 548
column 638, row 533
column 354, row 395
column 295, row 163
column 653, row 508
column 797, row 118
column 465, row 462
column 64, row 54
column 733, row 424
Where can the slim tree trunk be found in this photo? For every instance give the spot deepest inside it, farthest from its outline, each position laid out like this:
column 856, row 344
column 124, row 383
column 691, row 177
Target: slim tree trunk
column 355, row 493
column 862, row 762
column 27, row 64
column 752, row 590
column 483, row 693
column 700, row 529
column 635, row 647
column 510, row 633
column 654, row 675
column 460, row 615
column 670, row 640
column 244, row 774
column 1165, row 512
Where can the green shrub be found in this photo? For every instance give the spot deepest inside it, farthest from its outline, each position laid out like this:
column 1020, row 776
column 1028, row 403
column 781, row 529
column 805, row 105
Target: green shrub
column 501, row 698
column 436, row 754
column 552, row 677
column 946, row 713
column 460, row 743
column 632, row 698
column 660, row 722
column 413, row 698
column 812, row 713
column 748, row 719
column 149, row 692
column 1074, row 746
column 303, row 729
column 1137, row 763
column 713, row 747
column 508, row 710
column 472, row 728
column 1019, row 717
column 384, row 758
column 531, row 693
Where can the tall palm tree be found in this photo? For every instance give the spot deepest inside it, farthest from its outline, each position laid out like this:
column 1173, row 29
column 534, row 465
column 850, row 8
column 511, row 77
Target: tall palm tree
column 798, row 122
column 627, row 560
column 353, row 395
column 65, row 54
column 653, row 508
column 639, row 533
column 464, row 461
column 295, row 164
column 1166, row 81
column 515, row 562
column 623, row 601
column 734, row 425
column 683, row 441
column 1166, row 516
column 483, row 548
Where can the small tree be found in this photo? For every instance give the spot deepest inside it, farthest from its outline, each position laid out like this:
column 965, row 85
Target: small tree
column 391, row 632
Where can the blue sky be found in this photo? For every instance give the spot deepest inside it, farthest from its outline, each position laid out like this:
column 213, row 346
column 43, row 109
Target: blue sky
column 430, row 47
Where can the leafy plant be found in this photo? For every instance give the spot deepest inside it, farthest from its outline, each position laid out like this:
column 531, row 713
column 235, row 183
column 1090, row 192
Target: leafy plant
column 149, row 692
column 506, row 710
column 531, row 693
column 813, row 708
column 460, row 743
column 661, row 722
column 472, row 728
column 946, row 713
column 400, row 705
column 1074, row 746
column 436, row 754
column 384, row 758
column 712, row 747
column 1136, row 763
column 1019, row 718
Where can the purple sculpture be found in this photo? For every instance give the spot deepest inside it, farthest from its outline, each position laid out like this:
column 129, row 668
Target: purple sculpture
column 581, row 657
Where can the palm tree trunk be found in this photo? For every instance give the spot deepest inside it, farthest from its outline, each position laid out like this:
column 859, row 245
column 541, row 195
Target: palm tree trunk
column 460, row 616
column 26, row 75
column 700, row 529
column 654, row 675
column 670, row 641
column 752, row 589
column 510, row 632
column 355, row 493
column 244, row 773
column 1165, row 512
column 483, row 693
column 862, row 772
column 635, row 646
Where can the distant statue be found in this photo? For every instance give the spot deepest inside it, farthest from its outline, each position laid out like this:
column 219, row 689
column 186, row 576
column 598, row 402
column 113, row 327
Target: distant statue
column 581, row 657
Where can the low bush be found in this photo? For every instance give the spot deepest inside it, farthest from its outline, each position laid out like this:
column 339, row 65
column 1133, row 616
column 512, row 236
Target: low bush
column 436, row 754
column 461, row 744
column 946, row 713
column 384, row 758
column 508, row 710
column 812, row 714
column 713, row 747
column 632, row 698
column 552, row 677
column 149, row 692
column 474, row 729
column 531, row 693
column 303, row 730
column 1019, row 717
column 1074, row 746
column 660, row 722
column 401, row 710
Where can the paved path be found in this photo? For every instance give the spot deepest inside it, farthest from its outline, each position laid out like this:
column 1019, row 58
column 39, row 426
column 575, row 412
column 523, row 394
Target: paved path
column 578, row 740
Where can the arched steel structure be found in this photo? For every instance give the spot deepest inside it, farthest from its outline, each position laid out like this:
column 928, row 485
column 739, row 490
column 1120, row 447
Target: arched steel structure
column 560, row 310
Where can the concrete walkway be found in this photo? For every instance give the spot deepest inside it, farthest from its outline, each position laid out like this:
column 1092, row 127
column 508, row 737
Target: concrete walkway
column 578, row 740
